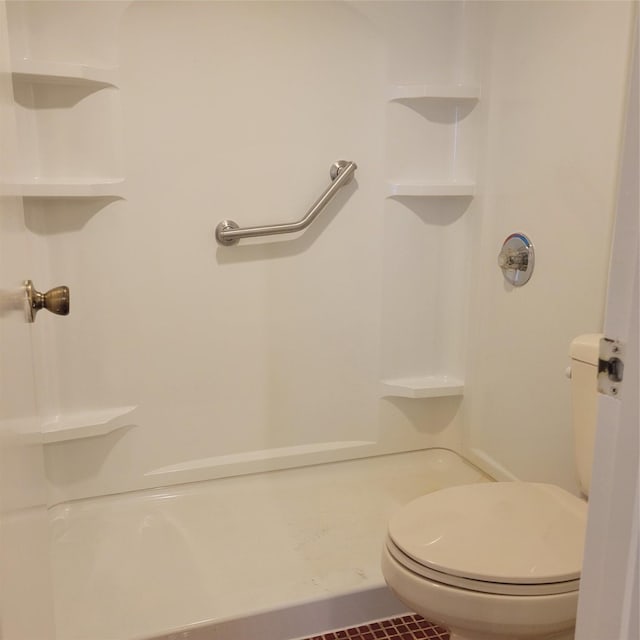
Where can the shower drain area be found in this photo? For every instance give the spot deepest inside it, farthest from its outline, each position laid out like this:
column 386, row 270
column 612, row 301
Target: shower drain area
column 409, row 627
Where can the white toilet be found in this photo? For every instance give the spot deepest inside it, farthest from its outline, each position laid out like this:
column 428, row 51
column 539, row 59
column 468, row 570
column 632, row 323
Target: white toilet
column 500, row 560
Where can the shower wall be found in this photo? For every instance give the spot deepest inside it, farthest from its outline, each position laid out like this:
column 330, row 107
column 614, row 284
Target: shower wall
column 555, row 81
column 26, row 602
column 148, row 124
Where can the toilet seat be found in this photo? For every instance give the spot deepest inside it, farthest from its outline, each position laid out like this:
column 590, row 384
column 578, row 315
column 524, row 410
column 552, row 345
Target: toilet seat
column 512, row 538
column 481, row 586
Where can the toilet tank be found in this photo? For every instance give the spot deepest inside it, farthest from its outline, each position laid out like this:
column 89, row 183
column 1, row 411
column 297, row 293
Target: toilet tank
column 584, row 400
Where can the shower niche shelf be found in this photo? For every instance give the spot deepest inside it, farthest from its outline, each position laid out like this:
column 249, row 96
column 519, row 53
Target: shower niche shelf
column 86, row 424
column 64, row 188
column 440, row 92
column 436, row 386
column 439, row 189
column 47, row 72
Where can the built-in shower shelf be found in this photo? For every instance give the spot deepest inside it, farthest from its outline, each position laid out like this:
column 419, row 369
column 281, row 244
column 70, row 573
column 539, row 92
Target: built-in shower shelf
column 63, row 188
column 430, row 189
column 86, row 424
column 47, row 72
column 422, row 387
column 442, row 92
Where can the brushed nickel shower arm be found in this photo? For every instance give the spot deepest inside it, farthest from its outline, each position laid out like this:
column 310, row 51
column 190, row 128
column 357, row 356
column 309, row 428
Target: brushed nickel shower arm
column 229, row 233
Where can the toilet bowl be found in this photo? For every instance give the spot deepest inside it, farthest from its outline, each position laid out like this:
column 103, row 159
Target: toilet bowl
column 490, row 561
column 500, row 560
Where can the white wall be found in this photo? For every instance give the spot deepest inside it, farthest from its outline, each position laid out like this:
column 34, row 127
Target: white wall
column 26, row 606
column 554, row 83
column 268, row 354
column 609, row 585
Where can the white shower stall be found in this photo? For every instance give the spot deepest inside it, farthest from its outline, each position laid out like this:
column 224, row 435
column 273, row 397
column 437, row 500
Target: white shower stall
column 292, row 389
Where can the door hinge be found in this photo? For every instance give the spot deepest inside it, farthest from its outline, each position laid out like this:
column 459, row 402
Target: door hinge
column 610, row 367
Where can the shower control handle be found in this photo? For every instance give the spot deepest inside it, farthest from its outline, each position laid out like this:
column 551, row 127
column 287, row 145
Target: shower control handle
column 518, row 259
column 55, row 300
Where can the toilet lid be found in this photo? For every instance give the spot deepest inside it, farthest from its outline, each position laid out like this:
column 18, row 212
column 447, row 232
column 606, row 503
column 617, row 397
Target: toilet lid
column 501, row 532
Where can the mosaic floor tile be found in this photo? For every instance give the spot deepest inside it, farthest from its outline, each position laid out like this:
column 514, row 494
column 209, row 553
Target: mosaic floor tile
column 409, row 627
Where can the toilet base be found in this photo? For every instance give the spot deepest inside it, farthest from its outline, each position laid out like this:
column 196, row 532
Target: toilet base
column 469, row 615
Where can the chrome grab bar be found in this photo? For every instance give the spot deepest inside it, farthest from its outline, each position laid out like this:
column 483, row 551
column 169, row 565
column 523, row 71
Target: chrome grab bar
column 229, row 233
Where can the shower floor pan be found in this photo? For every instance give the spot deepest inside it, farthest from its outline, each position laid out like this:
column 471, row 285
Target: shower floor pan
column 272, row 556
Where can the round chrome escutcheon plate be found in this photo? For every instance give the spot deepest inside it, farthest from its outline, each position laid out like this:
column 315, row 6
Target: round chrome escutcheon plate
column 517, row 259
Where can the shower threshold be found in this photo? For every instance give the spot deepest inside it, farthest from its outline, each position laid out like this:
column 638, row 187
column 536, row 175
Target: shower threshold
column 274, row 556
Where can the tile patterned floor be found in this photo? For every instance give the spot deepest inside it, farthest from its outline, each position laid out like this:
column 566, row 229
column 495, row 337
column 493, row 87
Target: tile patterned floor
column 409, row 627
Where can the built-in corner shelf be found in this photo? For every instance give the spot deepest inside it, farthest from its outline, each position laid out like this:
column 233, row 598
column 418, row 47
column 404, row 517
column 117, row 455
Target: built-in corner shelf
column 441, row 92
column 396, row 189
column 422, row 387
column 86, row 424
column 47, row 72
column 63, row 188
